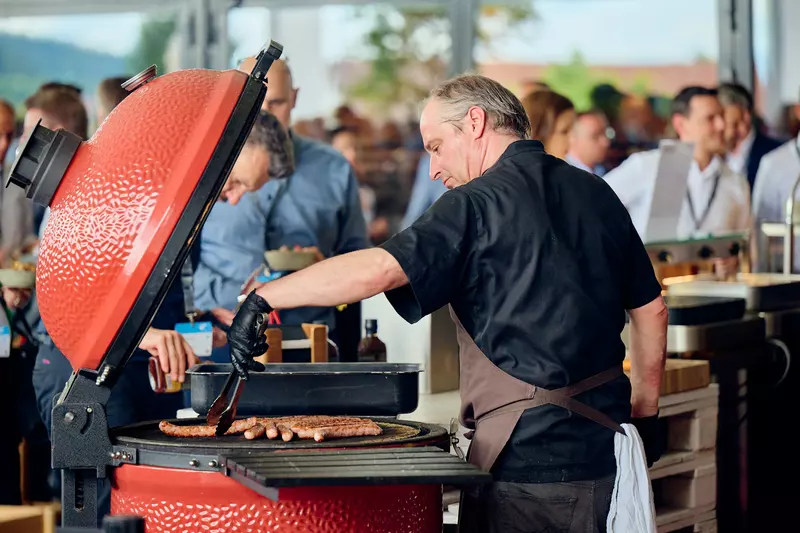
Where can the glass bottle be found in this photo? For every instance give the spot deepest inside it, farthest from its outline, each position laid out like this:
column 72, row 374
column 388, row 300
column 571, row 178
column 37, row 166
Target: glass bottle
column 371, row 349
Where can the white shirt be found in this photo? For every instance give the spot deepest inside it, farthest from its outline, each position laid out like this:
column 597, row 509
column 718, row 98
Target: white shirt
column 738, row 160
column 577, row 163
column 776, row 176
column 634, row 181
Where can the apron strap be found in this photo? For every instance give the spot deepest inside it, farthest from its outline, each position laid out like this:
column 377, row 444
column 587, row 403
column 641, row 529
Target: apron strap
column 563, row 397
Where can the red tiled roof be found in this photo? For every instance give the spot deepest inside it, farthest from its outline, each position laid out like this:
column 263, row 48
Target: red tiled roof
column 662, row 79
column 665, row 80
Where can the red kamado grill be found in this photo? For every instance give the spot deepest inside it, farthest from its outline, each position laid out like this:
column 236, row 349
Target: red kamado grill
column 126, row 207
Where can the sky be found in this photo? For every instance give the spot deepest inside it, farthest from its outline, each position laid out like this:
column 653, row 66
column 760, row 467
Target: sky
column 605, row 31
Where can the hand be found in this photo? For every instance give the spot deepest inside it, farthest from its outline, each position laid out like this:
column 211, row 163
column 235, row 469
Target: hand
column 243, row 338
column 726, row 267
column 16, row 298
column 317, row 253
column 224, row 316
column 219, row 337
column 653, row 437
column 172, row 350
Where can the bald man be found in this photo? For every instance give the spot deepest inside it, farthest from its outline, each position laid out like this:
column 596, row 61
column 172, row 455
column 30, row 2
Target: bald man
column 316, row 206
column 281, row 92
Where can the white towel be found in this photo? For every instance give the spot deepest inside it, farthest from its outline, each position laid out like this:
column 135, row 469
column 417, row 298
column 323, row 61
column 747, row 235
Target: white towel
column 632, row 509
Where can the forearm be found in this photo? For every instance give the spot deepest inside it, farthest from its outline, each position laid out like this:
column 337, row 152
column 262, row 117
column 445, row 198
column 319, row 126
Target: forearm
column 648, row 351
column 342, row 279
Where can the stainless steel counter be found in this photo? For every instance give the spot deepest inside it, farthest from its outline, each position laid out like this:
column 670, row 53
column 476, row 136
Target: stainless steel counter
column 762, row 292
column 718, row 336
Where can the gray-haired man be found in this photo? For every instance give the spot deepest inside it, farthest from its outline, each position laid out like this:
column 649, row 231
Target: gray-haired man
column 538, row 262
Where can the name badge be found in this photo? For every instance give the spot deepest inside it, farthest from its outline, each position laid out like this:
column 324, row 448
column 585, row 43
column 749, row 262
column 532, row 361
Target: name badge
column 5, row 341
column 199, row 336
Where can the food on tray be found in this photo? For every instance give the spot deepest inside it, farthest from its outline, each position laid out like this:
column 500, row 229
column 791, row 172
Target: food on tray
column 27, row 267
column 286, row 260
column 20, row 276
column 319, row 428
column 238, row 426
column 254, row 432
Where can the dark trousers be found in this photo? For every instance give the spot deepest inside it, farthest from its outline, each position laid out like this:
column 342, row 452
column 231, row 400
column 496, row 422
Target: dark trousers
column 567, row 507
column 21, row 421
column 132, row 400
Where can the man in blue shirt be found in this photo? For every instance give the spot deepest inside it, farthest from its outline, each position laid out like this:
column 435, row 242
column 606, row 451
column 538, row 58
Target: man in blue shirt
column 424, row 194
column 316, row 206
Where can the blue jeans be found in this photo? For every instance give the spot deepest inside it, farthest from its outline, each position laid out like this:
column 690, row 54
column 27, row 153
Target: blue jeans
column 132, row 400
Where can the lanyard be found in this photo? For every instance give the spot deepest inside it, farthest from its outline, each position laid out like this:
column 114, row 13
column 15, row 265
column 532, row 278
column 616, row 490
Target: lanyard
column 187, row 285
column 698, row 223
column 270, row 214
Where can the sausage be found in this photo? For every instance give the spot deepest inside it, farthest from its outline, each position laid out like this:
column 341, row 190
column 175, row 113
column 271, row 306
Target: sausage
column 319, row 434
column 186, row 431
column 240, row 426
column 271, row 430
column 254, row 432
column 286, row 433
column 173, row 430
column 318, row 428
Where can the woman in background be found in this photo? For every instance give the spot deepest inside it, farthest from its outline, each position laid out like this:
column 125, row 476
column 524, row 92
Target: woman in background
column 552, row 117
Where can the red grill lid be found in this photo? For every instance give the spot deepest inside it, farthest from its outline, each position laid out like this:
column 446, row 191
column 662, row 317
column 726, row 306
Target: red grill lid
column 127, row 205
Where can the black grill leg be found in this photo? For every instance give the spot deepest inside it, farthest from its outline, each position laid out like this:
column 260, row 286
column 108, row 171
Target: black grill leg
column 79, row 498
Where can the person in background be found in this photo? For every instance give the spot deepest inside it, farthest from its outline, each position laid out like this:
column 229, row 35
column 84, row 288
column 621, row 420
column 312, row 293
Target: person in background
column 638, row 124
column 530, row 86
column 552, row 117
column 268, row 153
column 72, row 117
column 777, row 174
column 16, row 213
column 424, row 193
column 317, row 207
column 790, row 120
column 8, row 126
column 608, row 99
column 745, row 144
column 505, row 249
column 345, row 140
column 589, row 142
column 717, row 198
column 109, row 95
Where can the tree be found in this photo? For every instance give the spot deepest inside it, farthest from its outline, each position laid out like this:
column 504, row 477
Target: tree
column 154, row 38
column 575, row 80
column 641, row 85
column 408, row 50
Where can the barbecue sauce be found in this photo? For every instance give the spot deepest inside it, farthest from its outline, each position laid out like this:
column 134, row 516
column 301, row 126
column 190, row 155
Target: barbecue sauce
column 371, row 349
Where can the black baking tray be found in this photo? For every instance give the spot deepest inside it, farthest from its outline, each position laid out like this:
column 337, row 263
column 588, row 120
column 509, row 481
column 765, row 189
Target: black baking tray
column 354, row 389
column 699, row 310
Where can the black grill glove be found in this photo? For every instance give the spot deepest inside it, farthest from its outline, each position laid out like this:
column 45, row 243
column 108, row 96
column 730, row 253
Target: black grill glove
column 653, row 436
column 243, row 336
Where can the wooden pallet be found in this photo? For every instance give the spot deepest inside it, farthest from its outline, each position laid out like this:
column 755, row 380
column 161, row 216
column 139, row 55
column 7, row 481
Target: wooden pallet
column 691, row 419
column 709, row 526
column 684, row 479
column 678, row 519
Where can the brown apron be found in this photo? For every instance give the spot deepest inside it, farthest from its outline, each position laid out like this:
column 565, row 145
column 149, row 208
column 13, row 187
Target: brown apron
column 492, row 401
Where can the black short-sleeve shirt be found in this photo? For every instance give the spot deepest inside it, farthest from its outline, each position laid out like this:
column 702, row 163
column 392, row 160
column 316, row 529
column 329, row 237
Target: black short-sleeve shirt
column 539, row 260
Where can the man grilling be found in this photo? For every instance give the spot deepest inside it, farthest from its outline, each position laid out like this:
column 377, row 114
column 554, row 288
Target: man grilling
column 538, row 262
